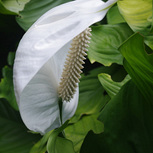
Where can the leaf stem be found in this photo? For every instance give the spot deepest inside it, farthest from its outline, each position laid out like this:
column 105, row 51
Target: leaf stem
column 60, row 104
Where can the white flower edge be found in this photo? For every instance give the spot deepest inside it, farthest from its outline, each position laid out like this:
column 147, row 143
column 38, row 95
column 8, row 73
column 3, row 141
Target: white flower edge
column 38, row 68
column 58, row 26
column 39, row 107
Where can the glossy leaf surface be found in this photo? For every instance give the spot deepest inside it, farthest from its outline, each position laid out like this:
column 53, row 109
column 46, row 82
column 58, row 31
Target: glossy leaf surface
column 138, row 14
column 111, row 86
column 77, row 131
column 139, row 64
column 127, row 125
column 105, row 42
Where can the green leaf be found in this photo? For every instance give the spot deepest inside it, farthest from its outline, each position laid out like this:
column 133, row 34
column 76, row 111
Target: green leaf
column 92, row 96
column 149, row 40
column 138, row 14
column 90, row 100
column 111, row 87
column 60, row 145
column 64, row 146
column 127, row 122
column 14, row 5
column 57, row 144
column 4, row 10
column 105, row 41
column 114, row 16
column 37, row 148
column 11, row 57
column 14, row 136
column 6, row 87
column 40, row 146
column 139, row 64
column 34, row 9
column 77, row 132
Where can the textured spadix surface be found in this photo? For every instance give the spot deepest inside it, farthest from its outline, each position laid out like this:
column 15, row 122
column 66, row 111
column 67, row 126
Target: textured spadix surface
column 40, row 60
column 73, row 65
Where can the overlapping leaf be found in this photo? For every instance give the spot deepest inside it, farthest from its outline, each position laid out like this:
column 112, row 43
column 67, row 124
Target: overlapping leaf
column 77, row 132
column 149, row 40
column 127, row 125
column 91, row 97
column 111, row 86
column 105, row 42
column 58, row 144
column 139, row 65
column 138, row 14
column 40, row 146
column 12, row 7
column 114, row 16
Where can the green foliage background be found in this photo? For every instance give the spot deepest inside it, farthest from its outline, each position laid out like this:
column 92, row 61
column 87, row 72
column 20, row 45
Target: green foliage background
column 115, row 111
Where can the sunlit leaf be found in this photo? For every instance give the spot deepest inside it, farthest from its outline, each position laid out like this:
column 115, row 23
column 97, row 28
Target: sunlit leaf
column 105, row 42
column 63, row 145
column 4, row 10
column 127, row 122
column 77, row 132
column 139, row 64
column 138, row 14
column 14, row 5
column 111, row 87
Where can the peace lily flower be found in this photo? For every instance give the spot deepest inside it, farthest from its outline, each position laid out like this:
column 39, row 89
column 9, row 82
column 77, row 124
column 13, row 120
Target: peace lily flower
column 40, row 76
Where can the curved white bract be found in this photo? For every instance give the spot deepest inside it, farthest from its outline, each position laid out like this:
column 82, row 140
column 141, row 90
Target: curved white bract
column 40, row 59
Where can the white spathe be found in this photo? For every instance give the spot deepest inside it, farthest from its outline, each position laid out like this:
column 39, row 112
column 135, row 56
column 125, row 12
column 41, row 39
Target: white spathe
column 40, row 59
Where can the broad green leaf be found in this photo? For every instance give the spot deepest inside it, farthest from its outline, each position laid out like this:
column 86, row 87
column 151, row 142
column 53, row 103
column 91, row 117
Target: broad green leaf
column 11, row 57
column 138, row 14
column 114, row 16
column 111, row 87
column 91, row 94
column 105, row 41
column 6, row 87
column 14, row 136
column 149, row 40
column 14, row 5
column 139, row 64
column 57, row 144
column 4, row 10
column 77, row 132
column 127, row 122
column 64, row 146
column 36, row 148
column 34, row 9
column 40, row 146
